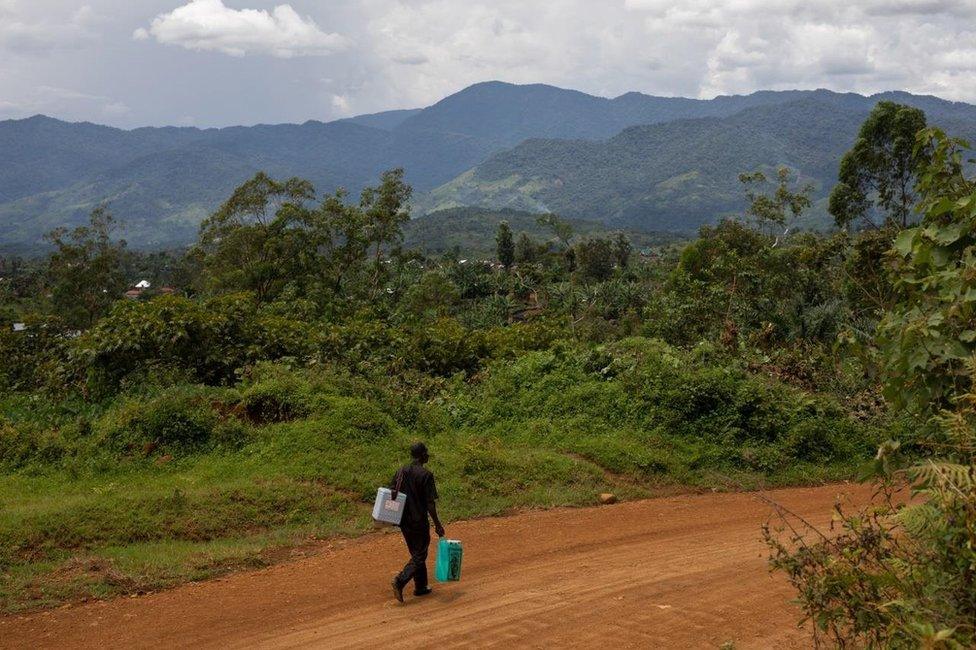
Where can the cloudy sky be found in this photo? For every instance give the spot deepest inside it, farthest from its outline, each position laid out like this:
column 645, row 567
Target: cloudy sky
column 219, row 62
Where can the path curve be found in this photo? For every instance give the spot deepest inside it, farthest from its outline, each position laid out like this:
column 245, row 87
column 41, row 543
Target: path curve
column 685, row 571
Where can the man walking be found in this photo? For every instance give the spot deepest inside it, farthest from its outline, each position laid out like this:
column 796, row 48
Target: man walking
column 417, row 482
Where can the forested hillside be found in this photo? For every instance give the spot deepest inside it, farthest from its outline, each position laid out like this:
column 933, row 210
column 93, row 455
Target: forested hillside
column 680, row 174
column 161, row 182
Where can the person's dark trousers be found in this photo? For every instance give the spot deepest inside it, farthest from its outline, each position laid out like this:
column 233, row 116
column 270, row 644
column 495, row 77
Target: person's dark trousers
column 418, row 543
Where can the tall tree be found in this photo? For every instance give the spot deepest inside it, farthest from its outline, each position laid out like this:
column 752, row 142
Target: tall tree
column 596, row 258
column 335, row 247
column 881, row 168
column 504, row 245
column 85, row 269
column 622, row 250
column 243, row 241
column 785, row 204
column 526, row 250
column 562, row 229
column 386, row 210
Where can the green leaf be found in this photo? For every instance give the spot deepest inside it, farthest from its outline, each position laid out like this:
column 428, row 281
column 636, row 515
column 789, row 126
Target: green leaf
column 949, row 234
column 905, row 240
column 941, row 206
column 940, row 256
column 919, row 358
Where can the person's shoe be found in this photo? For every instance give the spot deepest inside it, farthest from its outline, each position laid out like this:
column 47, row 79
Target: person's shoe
column 397, row 589
column 423, row 592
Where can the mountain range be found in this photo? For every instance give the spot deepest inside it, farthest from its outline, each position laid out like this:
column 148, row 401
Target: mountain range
column 634, row 161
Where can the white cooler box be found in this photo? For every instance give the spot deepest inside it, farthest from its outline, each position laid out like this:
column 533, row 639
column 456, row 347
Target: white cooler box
column 388, row 510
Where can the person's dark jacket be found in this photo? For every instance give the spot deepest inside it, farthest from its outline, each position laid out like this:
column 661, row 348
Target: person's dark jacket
column 417, row 482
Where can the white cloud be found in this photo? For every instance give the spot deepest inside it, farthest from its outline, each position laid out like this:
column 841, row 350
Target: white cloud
column 670, row 47
column 210, row 25
column 54, row 99
column 341, row 105
column 115, row 109
column 25, row 30
column 385, row 54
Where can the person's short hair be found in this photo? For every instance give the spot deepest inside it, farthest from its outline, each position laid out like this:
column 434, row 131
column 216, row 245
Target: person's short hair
column 418, row 450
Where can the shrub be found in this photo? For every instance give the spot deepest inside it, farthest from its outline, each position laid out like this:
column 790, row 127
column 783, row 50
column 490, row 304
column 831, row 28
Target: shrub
column 211, row 339
column 360, row 419
column 444, row 347
column 21, row 445
column 34, row 358
column 276, row 400
column 178, row 420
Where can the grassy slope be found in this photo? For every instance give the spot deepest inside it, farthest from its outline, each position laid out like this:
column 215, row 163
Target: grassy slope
column 538, row 431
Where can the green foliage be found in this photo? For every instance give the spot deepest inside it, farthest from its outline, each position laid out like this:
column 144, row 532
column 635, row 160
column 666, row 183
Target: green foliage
column 868, row 285
column 783, row 206
column 444, row 347
column 209, row 340
column 735, row 283
column 435, row 294
column 276, row 399
column 85, row 270
column 622, row 250
column 470, row 233
column 928, row 337
column 596, row 257
column 526, row 251
column 504, row 245
column 33, row 358
column 177, row 420
column 904, row 575
column 881, row 167
column 245, row 242
column 561, row 228
column 265, row 239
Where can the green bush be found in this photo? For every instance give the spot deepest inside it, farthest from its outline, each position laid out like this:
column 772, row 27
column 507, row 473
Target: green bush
column 176, row 421
column 360, row 419
column 21, row 445
column 276, row 400
column 641, row 406
column 211, row 340
column 444, row 347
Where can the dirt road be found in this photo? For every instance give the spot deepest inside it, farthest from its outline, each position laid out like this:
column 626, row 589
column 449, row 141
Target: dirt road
column 687, row 571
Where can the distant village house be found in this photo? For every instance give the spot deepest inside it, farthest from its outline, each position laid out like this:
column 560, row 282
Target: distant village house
column 141, row 287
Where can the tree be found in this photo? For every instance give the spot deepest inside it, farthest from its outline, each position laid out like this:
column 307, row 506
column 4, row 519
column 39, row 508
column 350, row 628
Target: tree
column 244, row 242
column 268, row 237
column 563, row 230
column 785, row 204
column 386, row 209
column 622, row 250
column 526, row 251
column 504, row 246
column 904, row 574
column 85, row 269
column 596, row 257
column 881, row 168
column 334, row 247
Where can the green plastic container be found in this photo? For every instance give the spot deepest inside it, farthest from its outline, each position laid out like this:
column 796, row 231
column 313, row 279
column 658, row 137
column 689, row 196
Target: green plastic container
column 448, row 566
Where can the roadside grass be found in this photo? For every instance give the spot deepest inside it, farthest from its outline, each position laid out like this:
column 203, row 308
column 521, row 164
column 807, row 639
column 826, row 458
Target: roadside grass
column 243, row 475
